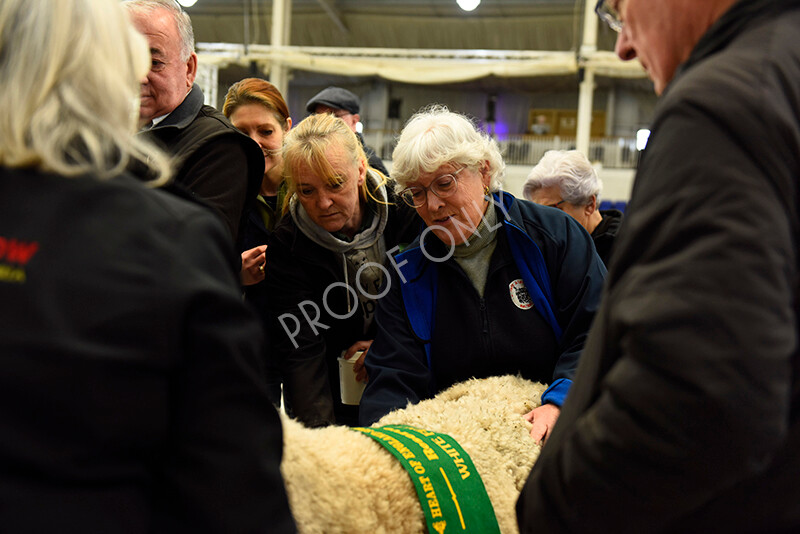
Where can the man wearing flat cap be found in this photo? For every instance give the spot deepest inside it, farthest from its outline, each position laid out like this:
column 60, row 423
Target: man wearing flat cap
column 345, row 105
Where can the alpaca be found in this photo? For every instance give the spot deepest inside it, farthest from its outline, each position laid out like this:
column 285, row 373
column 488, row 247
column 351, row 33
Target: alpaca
column 341, row 481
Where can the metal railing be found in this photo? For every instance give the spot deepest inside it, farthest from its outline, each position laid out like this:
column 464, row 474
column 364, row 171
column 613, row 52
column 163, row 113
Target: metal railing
column 611, row 152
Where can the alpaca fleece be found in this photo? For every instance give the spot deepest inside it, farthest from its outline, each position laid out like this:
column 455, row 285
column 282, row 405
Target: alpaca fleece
column 340, row 481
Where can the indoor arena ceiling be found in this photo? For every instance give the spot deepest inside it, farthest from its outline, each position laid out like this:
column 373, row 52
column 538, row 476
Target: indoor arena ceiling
column 516, row 26
column 423, row 24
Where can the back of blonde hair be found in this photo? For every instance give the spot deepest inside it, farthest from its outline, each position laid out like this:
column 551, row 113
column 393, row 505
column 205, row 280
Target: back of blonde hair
column 70, row 74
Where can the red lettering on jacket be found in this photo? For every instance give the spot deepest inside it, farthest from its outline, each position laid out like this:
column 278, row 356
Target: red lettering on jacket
column 19, row 252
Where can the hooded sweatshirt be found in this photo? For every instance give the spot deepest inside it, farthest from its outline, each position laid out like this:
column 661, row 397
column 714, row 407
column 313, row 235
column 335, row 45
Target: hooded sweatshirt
column 362, row 256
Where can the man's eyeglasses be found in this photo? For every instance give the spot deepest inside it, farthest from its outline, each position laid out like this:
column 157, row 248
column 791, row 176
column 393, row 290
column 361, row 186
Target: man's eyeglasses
column 556, row 204
column 444, row 186
column 609, row 14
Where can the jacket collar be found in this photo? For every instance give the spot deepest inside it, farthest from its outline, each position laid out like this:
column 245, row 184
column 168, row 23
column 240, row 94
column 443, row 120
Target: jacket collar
column 185, row 113
column 741, row 15
column 612, row 220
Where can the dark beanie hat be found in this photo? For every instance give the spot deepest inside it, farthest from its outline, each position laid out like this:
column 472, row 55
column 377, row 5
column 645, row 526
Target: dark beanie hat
column 336, row 98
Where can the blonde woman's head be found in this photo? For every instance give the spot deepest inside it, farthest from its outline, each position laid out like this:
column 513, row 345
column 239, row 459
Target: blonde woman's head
column 69, row 88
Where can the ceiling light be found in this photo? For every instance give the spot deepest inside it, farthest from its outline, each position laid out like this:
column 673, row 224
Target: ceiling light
column 468, row 5
column 187, row 3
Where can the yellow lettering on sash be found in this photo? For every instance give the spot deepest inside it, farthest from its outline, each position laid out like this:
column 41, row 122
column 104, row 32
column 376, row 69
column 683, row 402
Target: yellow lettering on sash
column 430, row 454
column 404, row 451
column 417, row 467
column 439, row 526
column 433, row 504
column 426, row 484
column 430, row 494
column 463, row 470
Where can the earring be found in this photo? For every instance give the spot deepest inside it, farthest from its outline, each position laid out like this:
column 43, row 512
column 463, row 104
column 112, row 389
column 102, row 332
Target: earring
column 486, row 190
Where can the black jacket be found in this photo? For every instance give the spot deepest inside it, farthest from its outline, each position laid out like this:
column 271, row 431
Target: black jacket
column 605, row 233
column 131, row 395
column 685, row 412
column 373, row 159
column 261, row 219
column 474, row 336
column 214, row 160
column 300, row 271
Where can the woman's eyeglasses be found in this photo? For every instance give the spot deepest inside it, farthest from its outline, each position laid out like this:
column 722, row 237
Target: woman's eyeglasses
column 444, row 186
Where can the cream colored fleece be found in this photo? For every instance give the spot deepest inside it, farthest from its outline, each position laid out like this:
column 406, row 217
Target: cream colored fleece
column 340, row 481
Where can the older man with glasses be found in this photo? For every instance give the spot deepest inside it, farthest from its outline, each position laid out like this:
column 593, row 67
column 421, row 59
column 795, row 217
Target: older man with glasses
column 685, row 411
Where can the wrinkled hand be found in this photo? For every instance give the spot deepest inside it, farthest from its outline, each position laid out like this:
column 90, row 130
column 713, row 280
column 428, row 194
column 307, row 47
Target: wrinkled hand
column 358, row 367
column 253, row 265
column 544, row 419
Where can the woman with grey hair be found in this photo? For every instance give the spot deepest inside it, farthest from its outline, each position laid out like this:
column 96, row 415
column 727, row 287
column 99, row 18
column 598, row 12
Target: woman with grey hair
column 131, row 397
column 493, row 285
column 565, row 179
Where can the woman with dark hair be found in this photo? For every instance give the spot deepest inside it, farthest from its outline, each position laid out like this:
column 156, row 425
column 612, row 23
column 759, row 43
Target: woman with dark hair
column 258, row 109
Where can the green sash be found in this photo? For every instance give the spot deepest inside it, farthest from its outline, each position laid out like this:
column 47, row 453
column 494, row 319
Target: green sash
column 449, row 487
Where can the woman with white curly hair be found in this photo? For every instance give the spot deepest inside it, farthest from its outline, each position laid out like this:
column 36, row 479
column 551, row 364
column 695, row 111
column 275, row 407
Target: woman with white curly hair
column 493, row 285
column 565, row 179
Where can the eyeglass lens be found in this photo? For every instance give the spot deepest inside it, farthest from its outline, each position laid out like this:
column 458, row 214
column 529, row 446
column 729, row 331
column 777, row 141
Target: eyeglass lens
column 609, row 14
column 443, row 186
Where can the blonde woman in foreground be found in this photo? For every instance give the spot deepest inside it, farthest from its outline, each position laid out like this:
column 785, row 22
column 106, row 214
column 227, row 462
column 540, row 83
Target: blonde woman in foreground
column 130, row 398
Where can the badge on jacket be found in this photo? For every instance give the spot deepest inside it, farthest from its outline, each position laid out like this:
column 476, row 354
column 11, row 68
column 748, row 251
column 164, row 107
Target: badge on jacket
column 519, row 295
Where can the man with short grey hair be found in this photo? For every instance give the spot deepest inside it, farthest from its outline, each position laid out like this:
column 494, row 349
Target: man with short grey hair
column 216, row 163
column 684, row 415
column 566, row 180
